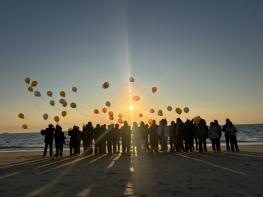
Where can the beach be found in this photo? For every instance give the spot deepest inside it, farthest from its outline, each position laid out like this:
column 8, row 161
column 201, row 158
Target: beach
column 163, row 174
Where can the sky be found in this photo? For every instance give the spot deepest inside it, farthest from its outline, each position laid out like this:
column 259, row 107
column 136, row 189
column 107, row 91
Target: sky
column 206, row 55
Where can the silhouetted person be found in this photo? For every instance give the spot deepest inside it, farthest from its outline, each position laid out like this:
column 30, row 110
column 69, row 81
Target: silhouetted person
column 109, row 138
column 172, row 136
column 87, row 137
column 137, row 137
column 153, row 137
column 230, row 135
column 189, row 132
column 103, row 139
column 116, row 139
column 75, row 138
column 144, row 145
column 179, row 135
column 59, row 141
column 126, row 137
column 49, row 136
column 202, row 134
column 97, row 134
column 214, row 134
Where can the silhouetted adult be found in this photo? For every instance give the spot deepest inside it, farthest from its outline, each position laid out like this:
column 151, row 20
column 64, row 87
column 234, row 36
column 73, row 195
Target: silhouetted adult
column 116, row 139
column 59, row 141
column 214, row 134
column 126, row 137
column 153, row 137
column 144, row 145
column 172, row 136
column 189, row 132
column 109, row 138
column 179, row 135
column 49, row 136
column 103, row 139
column 97, row 134
column 202, row 134
column 75, row 139
column 230, row 134
column 137, row 137
column 87, row 137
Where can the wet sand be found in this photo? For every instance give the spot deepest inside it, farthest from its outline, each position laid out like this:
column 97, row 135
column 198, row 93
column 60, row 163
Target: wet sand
column 164, row 174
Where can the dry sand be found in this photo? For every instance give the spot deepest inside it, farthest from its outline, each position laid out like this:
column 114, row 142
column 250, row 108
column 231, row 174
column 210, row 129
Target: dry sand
column 164, row 174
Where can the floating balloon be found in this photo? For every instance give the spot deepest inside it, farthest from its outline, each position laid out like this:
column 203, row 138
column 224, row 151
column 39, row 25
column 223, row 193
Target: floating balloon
column 154, row 89
column 151, row 110
column 186, row 110
column 24, row 126
column 64, row 113
column 140, row 115
column 120, row 115
column 136, row 98
column 37, row 93
column 169, row 108
column 178, row 110
column 45, row 116
column 56, row 119
column 160, row 112
column 104, row 110
column 21, row 115
column 52, row 102
column 197, row 119
column 111, row 113
column 73, row 105
column 65, row 104
column 108, row 104
column 150, row 121
column 34, row 83
column 74, row 89
column 49, row 93
column 111, row 118
column 131, row 79
column 62, row 93
column 27, row 80
column 120, row 121
column 105, row 85
column 62, row 101
column 96, row 111
column 30, row 89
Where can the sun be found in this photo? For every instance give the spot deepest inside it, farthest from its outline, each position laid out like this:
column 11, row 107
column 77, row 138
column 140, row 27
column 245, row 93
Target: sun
column 131, row 107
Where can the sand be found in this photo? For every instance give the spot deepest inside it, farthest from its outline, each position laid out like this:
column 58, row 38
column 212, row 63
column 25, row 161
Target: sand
column 164, row 174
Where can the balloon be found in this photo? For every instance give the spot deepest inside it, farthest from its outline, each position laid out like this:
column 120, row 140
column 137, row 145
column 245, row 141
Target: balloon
column 56, row 119
column 197, row 119
column 74, row 89
column 37, row 93
column 150, row 121
column 120, row 121
column 62, row 93
column 30, row 89
column 62, row 101
column 104, row 110
column 160, row 112
column 111, row 113
column 186, row 110
column 49, row 93
column 34, row 83
column 169, row 108
column 52, row 102
column 178, row 110
column 73, row 105
column 21, row 115
column 152, row 110
column 111, row 118
column 154, row 89
column 24, row 126
column 65, row 104
column 63, row 113
column 27, row 80
column 131, row 79
column 136, row 98
column 108, row 104
column 105, row 85
column 96, row 111
column 140, row 115
column 45, row 116
column 120, row 115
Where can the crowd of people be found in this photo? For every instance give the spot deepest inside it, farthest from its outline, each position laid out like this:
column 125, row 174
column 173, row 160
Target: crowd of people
column 179, row 136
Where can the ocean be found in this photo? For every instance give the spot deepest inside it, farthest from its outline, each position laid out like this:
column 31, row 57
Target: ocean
column 252, row 133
